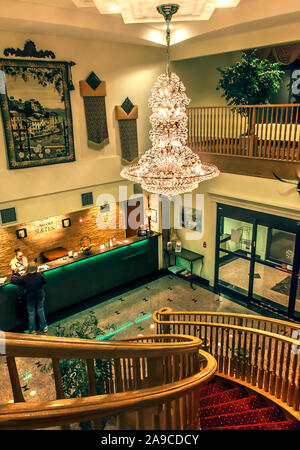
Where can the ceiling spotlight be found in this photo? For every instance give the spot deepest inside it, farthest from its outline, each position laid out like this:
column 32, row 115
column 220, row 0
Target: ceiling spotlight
column 115, row 9
column 223, row 2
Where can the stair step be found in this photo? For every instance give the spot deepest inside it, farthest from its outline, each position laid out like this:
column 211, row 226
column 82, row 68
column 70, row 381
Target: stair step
column 283, row 425
column 214, row 388
column 223, row 397
column 243, row 404
column 263, row 415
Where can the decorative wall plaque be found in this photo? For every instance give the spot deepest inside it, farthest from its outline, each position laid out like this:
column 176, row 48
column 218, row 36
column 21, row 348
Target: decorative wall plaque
column 93, row 91
column 126, row 114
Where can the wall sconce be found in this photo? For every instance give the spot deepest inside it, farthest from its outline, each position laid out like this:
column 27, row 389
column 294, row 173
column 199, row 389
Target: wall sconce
column 66, row 223
column 22, row 233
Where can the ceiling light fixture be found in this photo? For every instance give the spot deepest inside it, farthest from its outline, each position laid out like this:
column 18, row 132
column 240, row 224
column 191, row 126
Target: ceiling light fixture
column 169, row 167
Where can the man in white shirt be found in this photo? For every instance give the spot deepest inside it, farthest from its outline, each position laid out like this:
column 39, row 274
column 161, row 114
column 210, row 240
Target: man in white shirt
column 19, row 262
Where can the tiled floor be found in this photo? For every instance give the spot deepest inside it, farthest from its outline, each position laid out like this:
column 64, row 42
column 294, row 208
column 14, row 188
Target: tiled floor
column 120, row 311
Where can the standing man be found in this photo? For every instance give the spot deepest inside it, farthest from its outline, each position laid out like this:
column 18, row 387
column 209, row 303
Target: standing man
column 19, row 263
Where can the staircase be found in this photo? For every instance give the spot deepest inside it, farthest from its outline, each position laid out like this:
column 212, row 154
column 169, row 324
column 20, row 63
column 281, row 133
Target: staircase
column 227, row 406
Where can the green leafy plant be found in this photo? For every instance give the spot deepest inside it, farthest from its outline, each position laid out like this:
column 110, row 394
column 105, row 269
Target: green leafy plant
column 251, row 81
column 74, row 371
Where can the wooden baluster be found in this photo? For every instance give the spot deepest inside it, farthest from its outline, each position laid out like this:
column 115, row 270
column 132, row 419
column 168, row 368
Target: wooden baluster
column 296, row 157
column 232, row 117
column 290, row 156
column 252, row 142
column 118, row 376
column 222, row 146
column 278, row 146
column 226, row 346
column 250, row 356
column 284, row 154
column 156, row 419
column 168, row 415
column 60, row 394
column 285, row 372
column 139, row 420
column 255, row 366
column 232, row 356
column 261, row 114
column 14, row 379
column 207, row 128
column 266, row 382
column 265, row 134
column 278, row 387
column 229, row 115
column 222, row 357
column 261, row 363
column 183, row 411
column 177, row 417
column 219, row 113
column 237, row 131
column 292, row 387
column 92, row 388
column 155, row 371
column 269, row 147
column 274, row 367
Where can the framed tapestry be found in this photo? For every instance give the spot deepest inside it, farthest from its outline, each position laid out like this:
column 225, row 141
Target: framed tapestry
column 36, row 112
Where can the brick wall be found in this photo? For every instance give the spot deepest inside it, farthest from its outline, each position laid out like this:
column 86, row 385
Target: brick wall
column 47, row 234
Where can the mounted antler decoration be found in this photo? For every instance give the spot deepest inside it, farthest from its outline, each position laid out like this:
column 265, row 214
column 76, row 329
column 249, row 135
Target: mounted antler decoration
column 295, row 182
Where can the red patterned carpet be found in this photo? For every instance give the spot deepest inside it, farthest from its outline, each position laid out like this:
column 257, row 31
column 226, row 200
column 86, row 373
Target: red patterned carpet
column 227, row 407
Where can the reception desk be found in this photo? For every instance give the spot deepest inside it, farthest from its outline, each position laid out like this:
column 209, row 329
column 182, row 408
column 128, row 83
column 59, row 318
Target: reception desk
column 73, row 280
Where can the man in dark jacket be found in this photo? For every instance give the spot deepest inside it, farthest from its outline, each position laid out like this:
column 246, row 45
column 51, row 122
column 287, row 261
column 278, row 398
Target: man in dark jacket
column 33, row 282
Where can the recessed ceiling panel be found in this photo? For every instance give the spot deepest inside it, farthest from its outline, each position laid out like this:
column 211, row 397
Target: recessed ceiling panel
column 141, row 11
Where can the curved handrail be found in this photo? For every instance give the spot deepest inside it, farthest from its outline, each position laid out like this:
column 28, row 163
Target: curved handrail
column 265, row 360
column 58, row 412
column 240, row 319
column 154, row 365
column 61, row 347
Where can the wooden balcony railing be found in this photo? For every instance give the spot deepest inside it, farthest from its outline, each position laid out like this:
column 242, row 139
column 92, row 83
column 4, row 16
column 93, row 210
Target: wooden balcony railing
column 268, row 362
column 154, row 382
column 266, row 132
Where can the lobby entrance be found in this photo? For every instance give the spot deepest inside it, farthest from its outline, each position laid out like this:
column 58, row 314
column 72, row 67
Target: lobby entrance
column 257, row 259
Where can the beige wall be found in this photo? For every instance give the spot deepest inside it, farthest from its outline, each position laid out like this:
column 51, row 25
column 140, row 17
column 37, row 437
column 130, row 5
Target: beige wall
column 129, row 70
column 200, row 77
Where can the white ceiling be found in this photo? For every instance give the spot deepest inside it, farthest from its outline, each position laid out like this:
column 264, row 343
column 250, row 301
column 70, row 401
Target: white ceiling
column 138, row 22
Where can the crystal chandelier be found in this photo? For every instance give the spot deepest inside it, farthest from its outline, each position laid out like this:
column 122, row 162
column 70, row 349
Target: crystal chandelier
column 169, row 167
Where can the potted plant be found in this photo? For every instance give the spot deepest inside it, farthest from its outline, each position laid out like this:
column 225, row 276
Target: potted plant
column 251, row 81
column 74, row 373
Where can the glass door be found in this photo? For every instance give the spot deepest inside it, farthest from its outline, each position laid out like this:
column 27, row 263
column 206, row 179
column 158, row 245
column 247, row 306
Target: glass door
column 258, row 259
column 274, row 257
column 235, row 246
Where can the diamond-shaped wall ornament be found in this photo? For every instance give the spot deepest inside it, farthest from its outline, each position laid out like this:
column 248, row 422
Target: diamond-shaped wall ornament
column 127, row 105
column 93, row 81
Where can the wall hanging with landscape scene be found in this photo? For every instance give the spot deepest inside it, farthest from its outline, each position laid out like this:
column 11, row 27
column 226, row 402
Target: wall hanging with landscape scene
column 36, row 112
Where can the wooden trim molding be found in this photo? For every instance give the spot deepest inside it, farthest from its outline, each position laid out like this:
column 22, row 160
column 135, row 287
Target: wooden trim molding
column 122, row 115
column 87, row 91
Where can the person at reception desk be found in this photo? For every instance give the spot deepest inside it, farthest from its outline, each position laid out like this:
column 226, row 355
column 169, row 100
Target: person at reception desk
column 33, row 283
column 19, row 263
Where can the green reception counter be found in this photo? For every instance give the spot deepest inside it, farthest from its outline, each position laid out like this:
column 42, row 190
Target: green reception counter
column 71, row 281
